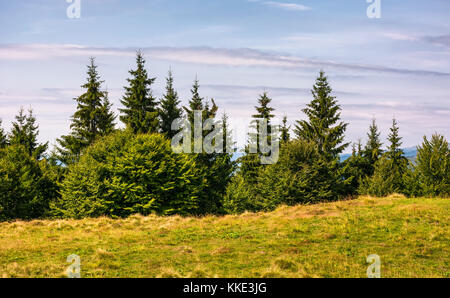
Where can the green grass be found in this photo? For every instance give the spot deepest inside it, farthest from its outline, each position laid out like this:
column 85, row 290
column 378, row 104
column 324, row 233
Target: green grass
column 327, row 240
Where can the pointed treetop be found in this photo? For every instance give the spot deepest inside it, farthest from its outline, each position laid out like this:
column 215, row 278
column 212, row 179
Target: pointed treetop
column 323, row 126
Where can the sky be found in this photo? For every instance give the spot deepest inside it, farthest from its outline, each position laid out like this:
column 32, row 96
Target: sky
column 397, row 65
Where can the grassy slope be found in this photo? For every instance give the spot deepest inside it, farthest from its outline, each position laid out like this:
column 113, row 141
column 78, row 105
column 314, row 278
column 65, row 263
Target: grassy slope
column 328, row 240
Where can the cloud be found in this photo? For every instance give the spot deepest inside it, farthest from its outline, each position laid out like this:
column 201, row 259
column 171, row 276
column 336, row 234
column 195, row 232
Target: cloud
column 241, row 57
column 283, row 5
column 442, row 40
column 287, row 6
column 400, row 36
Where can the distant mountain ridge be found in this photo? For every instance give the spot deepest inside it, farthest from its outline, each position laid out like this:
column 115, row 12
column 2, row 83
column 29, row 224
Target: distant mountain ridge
column 410, row 153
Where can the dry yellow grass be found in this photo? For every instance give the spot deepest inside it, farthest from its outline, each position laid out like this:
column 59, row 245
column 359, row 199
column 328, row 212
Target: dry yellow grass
column 326, row 240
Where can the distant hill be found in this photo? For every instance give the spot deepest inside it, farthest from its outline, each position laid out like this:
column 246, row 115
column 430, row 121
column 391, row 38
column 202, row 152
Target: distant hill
column 410, row 153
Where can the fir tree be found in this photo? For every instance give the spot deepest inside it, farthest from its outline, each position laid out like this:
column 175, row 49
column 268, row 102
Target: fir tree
column 285, row 136
column 216, row 168
column 250, row 162
column 228, row 144
column 396, row 161
column 433, row 166
column 322, row 126
column 106, row 117
column 372, row 150
column 264, row 112
column 198, row 103
column 169, row 108
column 93, row 118
column 395, row 153
column 24, row 132
column 140, row 113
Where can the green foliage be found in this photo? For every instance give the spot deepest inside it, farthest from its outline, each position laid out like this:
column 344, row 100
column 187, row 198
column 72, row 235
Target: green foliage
column 411, row 182
column 323, row 112
column 381, row 183
column 228, row 143
column 24, row 132
column 26, row 185
column 372, row 150
column 239, row 197
column 263, row 111
column 355, row 169
column 123, row 174
column 390, row 171
column 3, row 137
column 394, row 152
column 433, row 166
column 216, row 168
column 399, row 164
column 140, row 113
column 92, row 119
column 387, row 179
column 285, row 136
column 250, row 163
column 198, row 103
column 301, row 175
column 322, row 126
column 169, row 108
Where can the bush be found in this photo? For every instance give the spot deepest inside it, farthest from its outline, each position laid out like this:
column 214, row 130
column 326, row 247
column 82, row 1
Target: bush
column 433, row 166
column 301, row 175
column 123, row 174
column 387, row 179
column 26, row 185
column 238, row 196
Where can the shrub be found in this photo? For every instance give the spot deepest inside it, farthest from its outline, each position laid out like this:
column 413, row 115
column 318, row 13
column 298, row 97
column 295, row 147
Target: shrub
column 433, row 166
column 26, row 185
column 387, row 179
column 301, row 175
column 238, row 196
column 123, row 174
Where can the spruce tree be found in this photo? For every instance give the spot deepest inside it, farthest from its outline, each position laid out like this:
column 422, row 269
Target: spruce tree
column 106, row 117
column 264, row 112
column 169, row 108
column 397, row 162
column 251, row 162
column 285, row 136
column 394, row 152
column 93, row 118
column 433, row 166
column 216, row 168
column 3, row 138
column 196, row 103
column 25, row 132
column 228, row 143
column 372, row 150
column 140, row 113
column 322, row 126
column 354, row 169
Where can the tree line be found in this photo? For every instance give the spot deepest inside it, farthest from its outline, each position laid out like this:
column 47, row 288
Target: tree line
column 99, row 170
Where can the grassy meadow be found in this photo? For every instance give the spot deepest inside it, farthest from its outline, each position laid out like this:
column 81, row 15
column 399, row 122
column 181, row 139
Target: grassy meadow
column 411, row 236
